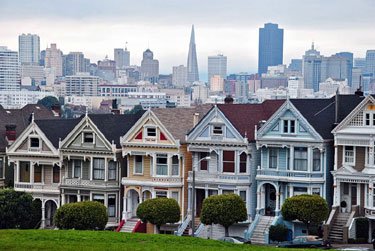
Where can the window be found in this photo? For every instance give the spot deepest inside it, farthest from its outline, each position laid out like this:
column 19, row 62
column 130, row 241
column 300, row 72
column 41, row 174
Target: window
column 37, row 173
column 111, row 205
column 138, row 164
column 1, row 168
column 56, row 174
column 34, row 142
column 174, row 195
column 227, row 191
column 300, row 159
column 151, row 132
column 203, row 165
column 161, row 164
column 161, row 194
column 289, row 126
column 88, row 137
column 217, row 130
column 212, row 192
column 77, row 166
column 111, row 170
column 316, row 190
column 316, row 160
column 299, row 190
column 243, row 158
column 175, row 166
column 273, row 152
column 24, row 171
column 98, row 198
column 367, row 119
column 243, row 195
column 99, row 167
column 349, row 154
column 228, row 161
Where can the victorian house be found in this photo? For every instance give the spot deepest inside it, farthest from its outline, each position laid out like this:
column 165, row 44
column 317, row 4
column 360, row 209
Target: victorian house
column 225, row 159
column 158, row 160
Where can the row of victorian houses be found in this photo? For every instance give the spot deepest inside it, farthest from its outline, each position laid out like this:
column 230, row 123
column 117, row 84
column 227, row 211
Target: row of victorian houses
column 264, row 152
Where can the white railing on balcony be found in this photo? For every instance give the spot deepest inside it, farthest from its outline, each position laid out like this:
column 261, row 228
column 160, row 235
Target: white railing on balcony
column 220, row 177
column 89, row 183
column 167, row 179
column 37, row 186
column 288, row 173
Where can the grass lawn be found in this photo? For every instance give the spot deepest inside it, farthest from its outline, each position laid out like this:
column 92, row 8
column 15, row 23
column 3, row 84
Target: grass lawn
column 107, row 240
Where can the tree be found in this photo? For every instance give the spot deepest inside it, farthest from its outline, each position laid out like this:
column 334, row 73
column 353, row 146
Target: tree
column 310, row 209
column 159, row 211
column 278, row 233
column 49, row 101
column 85, row 215
column 225, row 209
column 135, row 109
column 19, row 210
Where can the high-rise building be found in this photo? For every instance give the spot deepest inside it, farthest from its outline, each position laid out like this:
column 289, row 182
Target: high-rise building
column 73, row 63
column 370, row 62
column 106, row 69
column 179, row 75
column 312, row 61
column 192, row 62
column 122, row 57
column 54, row 60
column 82, row 84
column 356, row 77
column 9, row 70
column 359, row 63
column 270, row 47
column 149, row 67
column 217, row 83
column 295, row 66
column 337, row 67
column 217, row 65
column 29, row 48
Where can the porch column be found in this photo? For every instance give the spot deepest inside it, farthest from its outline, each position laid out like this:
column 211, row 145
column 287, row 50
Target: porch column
column 31, row 172
column 189, row 201
column 206, row 192
column 277, row 209
column 337, row 193
column 124, row 205
column 259, row 197
column 17, row 171
column 105, row 169
column 62, row 198
column 309, row 159
column 91, row 167
column 78, row 196
column 291, row 157
column 43, row 221
column 336, row 159
column 359, row 202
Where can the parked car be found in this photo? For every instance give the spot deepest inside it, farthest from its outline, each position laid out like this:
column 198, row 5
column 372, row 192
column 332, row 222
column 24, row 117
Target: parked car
column 235, row 239
column 309, row 241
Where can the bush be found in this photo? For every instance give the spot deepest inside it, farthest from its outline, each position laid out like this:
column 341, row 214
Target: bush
column 86, row 215
column 159, row 211
column 278, row 233
column 361, row 228
column 18, row 210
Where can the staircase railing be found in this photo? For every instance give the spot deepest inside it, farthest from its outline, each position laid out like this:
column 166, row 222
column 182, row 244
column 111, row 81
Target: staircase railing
column 183, row 225
column 267, row 230
column 345, row 229
column 249, row 232
column 199, row 230
column 118, row 229
column 326, row 226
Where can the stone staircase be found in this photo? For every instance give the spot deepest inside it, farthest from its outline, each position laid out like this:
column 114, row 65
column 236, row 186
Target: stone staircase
column 260, row 229
column 129, row 225
column 187, row 231
column 336, row 228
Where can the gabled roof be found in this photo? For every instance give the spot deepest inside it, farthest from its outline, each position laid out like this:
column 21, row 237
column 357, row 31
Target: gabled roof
column 179, row 121
column 244, row 117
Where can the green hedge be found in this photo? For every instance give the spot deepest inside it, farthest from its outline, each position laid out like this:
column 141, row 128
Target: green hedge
column 86, row 215
column 159, row 211
column 361, row 227
column 278, row 233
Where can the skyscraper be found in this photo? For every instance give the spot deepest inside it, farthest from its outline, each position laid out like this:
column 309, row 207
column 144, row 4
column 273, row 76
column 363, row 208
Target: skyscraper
column 370, row 62
column 53, row 59
column 179, row 76
column 337, row 67
column 122, row 57
column 29, row 48
column 312, row 62
column 270, row 47
column 149, row 67
column 10, row 79
column 74, row 62
column 217, row 66
column 192, row 62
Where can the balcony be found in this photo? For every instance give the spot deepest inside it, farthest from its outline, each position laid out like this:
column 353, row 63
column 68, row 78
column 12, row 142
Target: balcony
column 74, row 182
column 221, row 178
column 288, row 175
column 36, row 187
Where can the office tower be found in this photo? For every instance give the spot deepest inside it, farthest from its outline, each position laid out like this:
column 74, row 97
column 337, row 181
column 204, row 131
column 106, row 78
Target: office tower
column 149, row 67
column 217, row 65
column 359, row 63
column 74, row 62
column 370, row 62
column 356, row 77
column 54, row 60
column 295, row 66
column 29, row 48
column 122, row 57
column 82, row 84
column 9, row 70
column 270, row 47
column 192, row 62
column 338, row 67
column 42, row 57
column 312, row 61
column 106, row 69
column 179, row 75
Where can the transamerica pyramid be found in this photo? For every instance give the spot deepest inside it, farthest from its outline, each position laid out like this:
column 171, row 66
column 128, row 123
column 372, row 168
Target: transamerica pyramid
column 192, row 63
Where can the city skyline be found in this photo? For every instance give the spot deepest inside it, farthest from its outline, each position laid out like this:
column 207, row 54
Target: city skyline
column 96, row 33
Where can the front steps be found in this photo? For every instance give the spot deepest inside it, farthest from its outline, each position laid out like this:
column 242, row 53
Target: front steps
column 336, row 228
column 260, row 229
column 129, row 225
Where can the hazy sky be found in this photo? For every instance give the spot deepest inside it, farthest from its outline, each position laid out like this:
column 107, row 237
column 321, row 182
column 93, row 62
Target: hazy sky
column 221, row 26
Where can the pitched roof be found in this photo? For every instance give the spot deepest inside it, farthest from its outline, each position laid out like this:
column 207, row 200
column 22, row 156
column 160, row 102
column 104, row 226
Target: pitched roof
column 244, row 117
column 179, row 121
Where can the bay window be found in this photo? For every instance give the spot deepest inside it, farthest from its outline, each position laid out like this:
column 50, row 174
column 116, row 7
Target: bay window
column 316, row 160
column 228, row 161
column 99, row 168
column 349, row 154
column 112, row 170
column 161, row 164
column 273, row 152
column 300, row 158
column 243, row 163
column 175, row 166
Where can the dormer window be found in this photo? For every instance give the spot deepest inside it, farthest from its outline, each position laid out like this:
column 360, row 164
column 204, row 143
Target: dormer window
column 151, row 132
column 88, row 137
column 217, row 129
column 369, row 119
column 289, row 126
column 34, row 142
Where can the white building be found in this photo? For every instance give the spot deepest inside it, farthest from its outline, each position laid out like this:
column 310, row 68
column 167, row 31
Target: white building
column 295, row 84
column 217, row 65
column 29, row 48
column 9, row 70
column 54, row 60
column 330, row 86
column 199, row 92
column 216, row 83
column 122, row 57
column 116, row 90
column 265, row 93
column 34, row 72
column 82, row 84
column 178, row 97
column 179, row 76
column 18, row 99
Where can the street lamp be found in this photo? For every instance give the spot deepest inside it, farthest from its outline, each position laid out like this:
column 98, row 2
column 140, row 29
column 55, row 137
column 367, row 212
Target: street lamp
column 193, row 196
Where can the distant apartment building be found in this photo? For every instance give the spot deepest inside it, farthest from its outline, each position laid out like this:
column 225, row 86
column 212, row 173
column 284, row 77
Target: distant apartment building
column 199, row 92
column 116, row 90
column 179, row 75
column 356, row 77
column 106, row 69
column 217, row 66
column 73, row 63
column 295, row 66
column 331, row 86
column 359, row 63
column 82, row 84
column 9, row 70
column 275, row 77
column 54, row 60
column 370, row 62
column 295, row 84
column 177, row 96
column 122, row 57
column 29, row 48
column 18, row 99
column 217, row 83
column 149, row 67
column 33, row 74
column 338, row 66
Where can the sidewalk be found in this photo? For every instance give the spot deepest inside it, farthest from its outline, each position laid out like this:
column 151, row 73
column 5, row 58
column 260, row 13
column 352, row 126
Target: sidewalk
column 360, row 246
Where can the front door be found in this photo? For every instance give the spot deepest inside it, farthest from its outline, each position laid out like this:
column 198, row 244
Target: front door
column 270, row 200
column 200, row 196
column 135, row 202
column 354, row 194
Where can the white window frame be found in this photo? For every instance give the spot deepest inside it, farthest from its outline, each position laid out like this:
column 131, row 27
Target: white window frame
column 156, row 165
column 115, row 164
column 320, row 160
column 93, row 168
column 371, row 118
column 277, row 158
column 239, row 194
column 221, row 128
column 135, row 165
column 161, row 191
column 73, row 167
column 35, row 137
column 320, row 190
column 178, row 196
column 289, row 125
column 344, row 155
column 115, row 206
column 146, row 132
column 174, row 165
column 83, row 137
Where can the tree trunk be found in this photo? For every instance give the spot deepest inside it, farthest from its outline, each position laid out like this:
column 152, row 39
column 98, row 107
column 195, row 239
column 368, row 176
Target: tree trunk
column 226, row 231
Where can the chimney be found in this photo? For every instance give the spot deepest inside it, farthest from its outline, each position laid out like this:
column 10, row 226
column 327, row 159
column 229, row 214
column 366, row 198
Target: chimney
column 261, row 123
column 10, row 133
column 195, row 119
column 228, row 99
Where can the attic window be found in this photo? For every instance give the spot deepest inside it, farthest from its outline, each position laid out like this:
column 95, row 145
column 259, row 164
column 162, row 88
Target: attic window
column 151, row 132
column 34, row 142
column 88, row 137
column 289, row 126
column 217, row 129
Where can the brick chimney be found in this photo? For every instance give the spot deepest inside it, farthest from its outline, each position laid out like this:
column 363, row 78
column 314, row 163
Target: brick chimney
column 10, row 133
column 195, row 119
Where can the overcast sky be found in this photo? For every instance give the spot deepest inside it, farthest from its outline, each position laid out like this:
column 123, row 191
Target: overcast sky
column 221, row 26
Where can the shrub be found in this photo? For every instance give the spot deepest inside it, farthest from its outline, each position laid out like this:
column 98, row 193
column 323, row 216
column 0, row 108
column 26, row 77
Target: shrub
column 361, row 228
column 159, row 211
column 278, row 233
column 18, row 210
column 224, row 209
column 86, row 215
